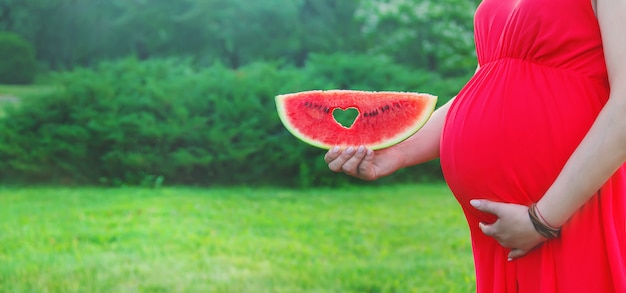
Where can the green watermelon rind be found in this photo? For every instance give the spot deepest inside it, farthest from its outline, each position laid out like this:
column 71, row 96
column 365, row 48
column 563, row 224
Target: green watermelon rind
column 401, row 136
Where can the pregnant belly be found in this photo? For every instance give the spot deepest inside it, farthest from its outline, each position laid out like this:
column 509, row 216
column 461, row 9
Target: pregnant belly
column 512, row 128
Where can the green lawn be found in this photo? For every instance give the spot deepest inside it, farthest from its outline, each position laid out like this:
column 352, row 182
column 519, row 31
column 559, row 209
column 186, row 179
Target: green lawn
column 394, row 239
column 25, row 91
column 12, row 94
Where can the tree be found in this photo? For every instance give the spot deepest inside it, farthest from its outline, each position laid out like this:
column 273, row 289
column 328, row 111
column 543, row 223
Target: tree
column 18, row 66
column 240, row 31
column 435, row 35
column 428, row 34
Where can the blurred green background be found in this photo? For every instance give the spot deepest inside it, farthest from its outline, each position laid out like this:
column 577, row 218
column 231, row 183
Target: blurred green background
column 149, row 92
column 171, row 103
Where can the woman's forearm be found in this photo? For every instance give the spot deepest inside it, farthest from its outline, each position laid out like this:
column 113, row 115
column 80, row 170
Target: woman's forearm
column 423, row 146
column 600, row 154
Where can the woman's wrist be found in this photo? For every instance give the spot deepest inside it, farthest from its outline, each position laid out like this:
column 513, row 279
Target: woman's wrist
column 542, row 226
column 394, row 158
column 550, row 215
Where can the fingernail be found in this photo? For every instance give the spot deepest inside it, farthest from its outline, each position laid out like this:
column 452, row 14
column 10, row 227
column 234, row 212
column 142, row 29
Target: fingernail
column 361, row 149
column 335, row 150
column 509, row 259
column 369, row 152
column 349, row 150
column 475, row 203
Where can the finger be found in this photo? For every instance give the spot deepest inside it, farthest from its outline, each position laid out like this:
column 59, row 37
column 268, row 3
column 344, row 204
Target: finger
column 352, row 165
column 332, row 154
column 516, row 253
column 366, row 165
column 365, row 168
column 487, row 229
column 337, row 164
column 487, row 206
column 505, row 244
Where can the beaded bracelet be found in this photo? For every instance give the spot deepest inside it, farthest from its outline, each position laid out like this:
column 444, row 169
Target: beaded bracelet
column 541, row 225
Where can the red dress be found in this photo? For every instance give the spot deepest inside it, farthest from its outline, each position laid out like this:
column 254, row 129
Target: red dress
column 541, row 83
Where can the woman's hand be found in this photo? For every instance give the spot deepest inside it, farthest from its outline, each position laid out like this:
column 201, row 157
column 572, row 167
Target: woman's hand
column 361, row 162
column 513, row 229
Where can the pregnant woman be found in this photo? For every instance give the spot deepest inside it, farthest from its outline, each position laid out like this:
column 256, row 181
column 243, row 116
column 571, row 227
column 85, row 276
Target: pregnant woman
column 533, row 147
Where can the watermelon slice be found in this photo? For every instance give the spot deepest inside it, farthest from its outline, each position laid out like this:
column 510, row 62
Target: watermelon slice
column 384, row 118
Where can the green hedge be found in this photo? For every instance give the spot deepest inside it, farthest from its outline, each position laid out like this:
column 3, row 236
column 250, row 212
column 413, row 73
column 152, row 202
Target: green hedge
column 17, row 60
column 151, row 122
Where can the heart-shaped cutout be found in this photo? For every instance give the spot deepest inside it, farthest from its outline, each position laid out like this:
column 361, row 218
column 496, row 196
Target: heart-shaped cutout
column 345, row 117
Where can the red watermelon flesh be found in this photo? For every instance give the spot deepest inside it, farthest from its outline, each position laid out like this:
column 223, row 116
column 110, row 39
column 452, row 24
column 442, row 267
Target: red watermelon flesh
column 384, row 119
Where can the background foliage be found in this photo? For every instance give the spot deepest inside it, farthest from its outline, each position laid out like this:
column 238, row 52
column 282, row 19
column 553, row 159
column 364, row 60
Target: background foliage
column 139, row 122
column 182, row 92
